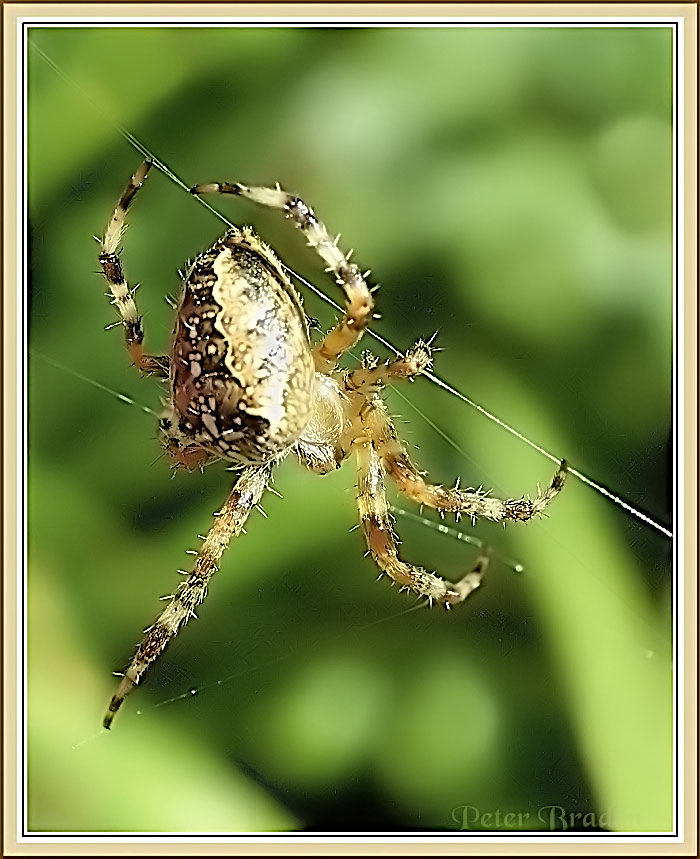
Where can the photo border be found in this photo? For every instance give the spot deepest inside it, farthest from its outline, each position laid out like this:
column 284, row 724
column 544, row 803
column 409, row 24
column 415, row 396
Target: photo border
column 500, row 843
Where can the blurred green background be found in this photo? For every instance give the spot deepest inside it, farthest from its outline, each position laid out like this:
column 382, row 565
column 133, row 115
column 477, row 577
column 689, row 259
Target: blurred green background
column 510, row 187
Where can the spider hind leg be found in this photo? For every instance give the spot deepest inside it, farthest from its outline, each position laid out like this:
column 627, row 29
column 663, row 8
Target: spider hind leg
column 461, row 502
column 383, row 545
column 181, row 607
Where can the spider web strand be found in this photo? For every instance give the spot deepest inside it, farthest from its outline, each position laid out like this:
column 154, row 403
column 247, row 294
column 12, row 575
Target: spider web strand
column 71, row 372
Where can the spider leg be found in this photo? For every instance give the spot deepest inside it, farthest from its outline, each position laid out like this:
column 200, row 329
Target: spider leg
column 382, row 541
column 417, row 360
column 461, row 502
column 229, row 523
column 359, row 303
column 110, row 249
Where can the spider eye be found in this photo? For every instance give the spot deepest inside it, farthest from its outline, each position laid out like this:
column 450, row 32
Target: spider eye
column 165, row 423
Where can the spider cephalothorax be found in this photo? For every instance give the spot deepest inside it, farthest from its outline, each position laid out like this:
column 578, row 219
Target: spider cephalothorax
column 247, row 386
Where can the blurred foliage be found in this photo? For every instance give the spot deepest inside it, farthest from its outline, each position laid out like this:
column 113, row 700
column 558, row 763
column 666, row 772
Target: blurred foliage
column 509, row 187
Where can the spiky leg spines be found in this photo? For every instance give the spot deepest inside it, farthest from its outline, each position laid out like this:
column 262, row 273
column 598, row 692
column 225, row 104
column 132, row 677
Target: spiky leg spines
column 123, row 295
column 472, row 503
column 382, row 542
column 418, row 359
column 191, row 592
column 359, row 303
column 461, row 502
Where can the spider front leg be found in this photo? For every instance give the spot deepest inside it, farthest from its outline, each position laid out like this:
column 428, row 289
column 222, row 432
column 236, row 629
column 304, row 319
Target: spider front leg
column 359, row 303
column 110, row 249
column 191, row 592
column 382, row 542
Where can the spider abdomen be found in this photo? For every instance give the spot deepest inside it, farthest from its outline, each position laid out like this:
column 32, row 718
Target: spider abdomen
column 242, row 372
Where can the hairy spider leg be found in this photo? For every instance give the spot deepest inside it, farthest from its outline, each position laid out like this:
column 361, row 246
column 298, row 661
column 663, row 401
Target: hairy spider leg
column 382, row 542
column 417, row 360
column 191, row 592
column 110, row 249
column 461, row 502
column 359, row 303
column 376, row 426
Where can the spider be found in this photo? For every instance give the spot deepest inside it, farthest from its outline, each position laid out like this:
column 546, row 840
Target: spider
column 246, row 385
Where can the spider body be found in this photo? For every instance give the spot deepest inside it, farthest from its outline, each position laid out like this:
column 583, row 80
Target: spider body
column 246, row 385
column 242, row 376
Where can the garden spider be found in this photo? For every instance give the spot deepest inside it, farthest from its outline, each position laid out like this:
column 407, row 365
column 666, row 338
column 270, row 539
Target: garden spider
column 247, row 386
